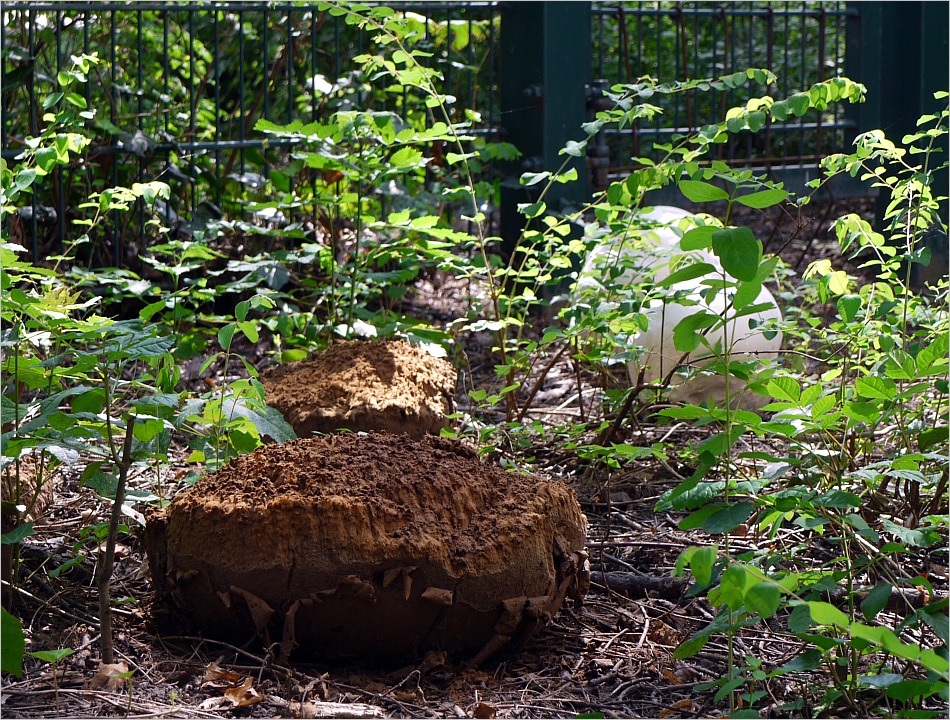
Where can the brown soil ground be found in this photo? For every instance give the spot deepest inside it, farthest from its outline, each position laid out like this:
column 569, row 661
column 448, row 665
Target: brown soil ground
column 362, row 386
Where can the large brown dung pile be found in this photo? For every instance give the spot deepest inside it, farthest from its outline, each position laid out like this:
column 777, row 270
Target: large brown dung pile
column 374, row 546
column 386, row 385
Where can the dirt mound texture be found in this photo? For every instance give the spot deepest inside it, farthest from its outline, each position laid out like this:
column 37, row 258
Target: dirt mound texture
column 376, row 547
column 386, row 385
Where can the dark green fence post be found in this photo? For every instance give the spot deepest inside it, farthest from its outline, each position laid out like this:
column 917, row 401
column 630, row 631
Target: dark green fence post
column 545, row 68
column 899, row 51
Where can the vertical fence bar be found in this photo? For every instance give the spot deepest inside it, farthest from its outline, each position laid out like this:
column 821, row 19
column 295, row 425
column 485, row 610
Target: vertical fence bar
column 546, row 51
column 33, row 131
column 166, row 73
column 114, row 95
column 242, row 123
column 58, row 175
column 217, row 107
column 289, row 54
column 193, row 104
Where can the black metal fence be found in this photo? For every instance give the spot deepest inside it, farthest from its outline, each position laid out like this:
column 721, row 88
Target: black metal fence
column 804, row 43
column 181, row 86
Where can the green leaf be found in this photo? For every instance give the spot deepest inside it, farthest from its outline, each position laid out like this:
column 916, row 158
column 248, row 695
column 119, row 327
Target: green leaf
column 763, row 199
column 76, row 99
column 823, row 613
column 268, row 421
column 696, row 519
column 21, row 531
column 784, row 388
column 733, row 584
column 689, row 272
column 876, row 601
column 25, row 178
column 249, row 328
column 729, row 518
column 739, row 252
column 798, row 104
column 805, row 662
column 918, row 538
column 532, row 210
column 530, row 178
column 690, row 647
column 686, row 337
column 700, row 192
column 147, row 312
column 839, row 499
column 908, row 690
column 932, row 437
column 763, row 598
column 701, row 564
column 12, row 644
column 880, row 681
column 698, row 238
column 799, row 620
column 876, row 387
column 848, row 307
column 574, row 148
column 52, row 656
column 406, row 157
column 225, row 335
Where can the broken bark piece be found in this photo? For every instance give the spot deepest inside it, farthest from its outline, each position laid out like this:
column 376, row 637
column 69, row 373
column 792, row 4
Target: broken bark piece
column 376, row 546
column 387, row 385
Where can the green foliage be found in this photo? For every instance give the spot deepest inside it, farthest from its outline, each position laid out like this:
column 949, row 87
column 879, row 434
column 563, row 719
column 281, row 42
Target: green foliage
column 12, row 645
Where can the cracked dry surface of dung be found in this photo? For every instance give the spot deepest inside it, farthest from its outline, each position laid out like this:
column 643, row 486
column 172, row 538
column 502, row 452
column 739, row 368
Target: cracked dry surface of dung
column 363, row 386
column 372, row 547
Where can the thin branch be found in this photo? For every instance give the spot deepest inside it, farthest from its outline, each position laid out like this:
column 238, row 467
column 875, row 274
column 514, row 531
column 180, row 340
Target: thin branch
column 107, row 558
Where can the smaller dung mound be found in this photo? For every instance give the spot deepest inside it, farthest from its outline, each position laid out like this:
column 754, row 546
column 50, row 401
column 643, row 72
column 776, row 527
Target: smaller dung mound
column 363, row 386
column 373, row 547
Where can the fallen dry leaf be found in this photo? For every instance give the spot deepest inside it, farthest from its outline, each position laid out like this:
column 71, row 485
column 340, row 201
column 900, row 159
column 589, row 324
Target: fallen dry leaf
column 107, row 678
column 484, row 710
column 214, row 673
column 671, row 677
column 408, row 696
column 243, row 695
